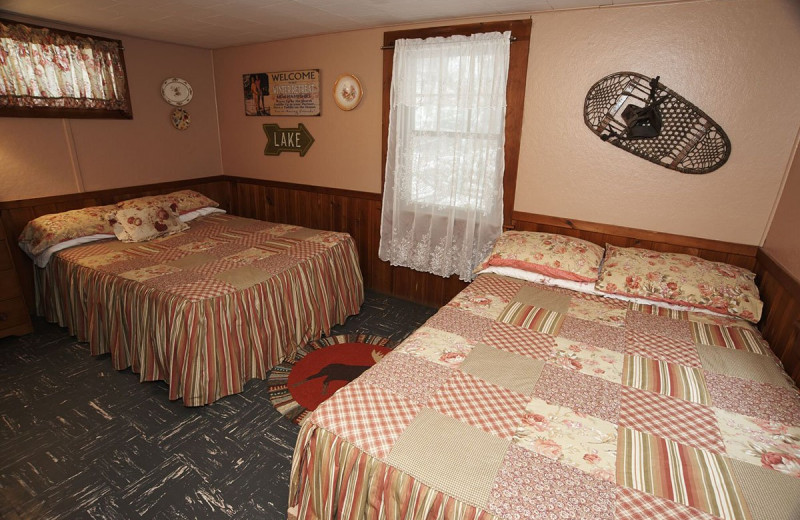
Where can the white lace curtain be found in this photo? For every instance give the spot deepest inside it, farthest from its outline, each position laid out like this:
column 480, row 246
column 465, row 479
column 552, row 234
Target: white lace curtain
column 443, row 197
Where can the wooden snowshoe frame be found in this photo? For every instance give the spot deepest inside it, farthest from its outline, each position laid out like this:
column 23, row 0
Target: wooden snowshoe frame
column 689, row 140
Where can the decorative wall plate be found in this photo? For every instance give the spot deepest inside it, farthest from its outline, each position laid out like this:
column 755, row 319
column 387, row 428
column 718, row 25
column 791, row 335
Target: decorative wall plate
column 347, row 92
column 176, row 91
column 181, row 119
column 643, row 117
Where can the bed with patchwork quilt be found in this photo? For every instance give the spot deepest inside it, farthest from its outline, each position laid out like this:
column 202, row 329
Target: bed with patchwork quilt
column 520, row 400
column 207, row 308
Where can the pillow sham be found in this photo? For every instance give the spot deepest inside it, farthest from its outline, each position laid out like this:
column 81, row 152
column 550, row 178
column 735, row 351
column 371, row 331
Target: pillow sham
column 681, row 279
column 589, row 288
column 139, row 224
column 552, row 255
column 48, row 230
column 183, row 201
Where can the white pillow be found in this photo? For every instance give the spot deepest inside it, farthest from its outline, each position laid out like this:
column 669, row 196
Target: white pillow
column 42, row 258
column 665, row 305
column 186, row 217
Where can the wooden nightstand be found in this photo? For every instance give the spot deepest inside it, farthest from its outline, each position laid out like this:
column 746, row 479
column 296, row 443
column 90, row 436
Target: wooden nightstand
column 14, row 317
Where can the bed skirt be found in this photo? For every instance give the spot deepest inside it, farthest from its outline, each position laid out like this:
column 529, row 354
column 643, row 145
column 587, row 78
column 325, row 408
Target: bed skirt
column 331, row 478
column 208, row 348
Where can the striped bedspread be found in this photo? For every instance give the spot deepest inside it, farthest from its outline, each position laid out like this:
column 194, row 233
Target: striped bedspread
column 520, row 401
column 206, row 309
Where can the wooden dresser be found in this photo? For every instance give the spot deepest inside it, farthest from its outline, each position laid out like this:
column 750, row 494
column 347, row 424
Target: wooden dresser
column 14, row 317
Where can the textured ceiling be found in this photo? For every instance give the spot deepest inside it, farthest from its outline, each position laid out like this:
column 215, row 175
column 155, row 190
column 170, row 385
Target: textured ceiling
column 215, row 24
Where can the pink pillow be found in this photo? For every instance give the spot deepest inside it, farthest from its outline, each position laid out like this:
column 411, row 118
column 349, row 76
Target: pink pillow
column 552, row 255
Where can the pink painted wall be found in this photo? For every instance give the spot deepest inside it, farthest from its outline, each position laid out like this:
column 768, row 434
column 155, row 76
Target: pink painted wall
column 41, row 157
column 783, row 240
column 736, row 59
column 347, row 148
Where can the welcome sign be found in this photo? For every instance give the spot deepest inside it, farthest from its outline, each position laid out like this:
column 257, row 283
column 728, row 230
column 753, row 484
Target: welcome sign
column 285, row 93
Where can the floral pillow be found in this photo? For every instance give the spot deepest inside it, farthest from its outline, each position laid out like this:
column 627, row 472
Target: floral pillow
column 49, row 230
column 681, row 279
column 558, row 256
column 134, row 224
column 183, row 201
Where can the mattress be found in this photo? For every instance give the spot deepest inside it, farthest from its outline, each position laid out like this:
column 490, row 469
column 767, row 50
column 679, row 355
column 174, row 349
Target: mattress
column 522, row 401
column 206, row 309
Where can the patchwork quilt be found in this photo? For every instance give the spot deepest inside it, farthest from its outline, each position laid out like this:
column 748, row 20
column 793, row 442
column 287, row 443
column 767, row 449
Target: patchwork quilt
column 520, row 401
column 206, row 309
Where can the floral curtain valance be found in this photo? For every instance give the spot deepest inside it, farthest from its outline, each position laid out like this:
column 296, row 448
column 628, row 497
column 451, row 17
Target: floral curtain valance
column 46, row 69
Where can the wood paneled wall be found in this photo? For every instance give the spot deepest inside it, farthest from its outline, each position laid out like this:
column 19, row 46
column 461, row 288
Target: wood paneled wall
column 359, row 214
column 602, row 234
column 15, row 214
column 780, row 324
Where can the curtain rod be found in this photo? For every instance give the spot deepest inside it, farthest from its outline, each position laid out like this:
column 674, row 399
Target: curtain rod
column 512, row 39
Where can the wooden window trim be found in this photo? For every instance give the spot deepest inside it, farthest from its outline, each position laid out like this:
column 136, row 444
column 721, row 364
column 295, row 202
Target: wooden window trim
column 73, row 113
column 515, row 91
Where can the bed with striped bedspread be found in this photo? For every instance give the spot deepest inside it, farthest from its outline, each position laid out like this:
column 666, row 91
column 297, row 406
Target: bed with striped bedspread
column 206, row 309
column 520, row 401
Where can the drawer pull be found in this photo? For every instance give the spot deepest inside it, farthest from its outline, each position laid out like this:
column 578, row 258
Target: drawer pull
column 3, row 316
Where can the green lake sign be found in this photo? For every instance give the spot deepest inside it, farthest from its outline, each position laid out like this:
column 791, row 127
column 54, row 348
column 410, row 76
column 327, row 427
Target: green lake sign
column 287, row 139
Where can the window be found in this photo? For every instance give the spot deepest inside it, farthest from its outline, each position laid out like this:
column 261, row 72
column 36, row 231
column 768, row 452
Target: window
column 456, row 126
column 51, row 73
column 452, row 121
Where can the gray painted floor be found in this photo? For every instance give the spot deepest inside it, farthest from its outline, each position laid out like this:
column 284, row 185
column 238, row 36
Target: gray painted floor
column 80, row 440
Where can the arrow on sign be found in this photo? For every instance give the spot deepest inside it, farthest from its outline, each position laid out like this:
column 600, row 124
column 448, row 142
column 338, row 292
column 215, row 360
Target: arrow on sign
column 287, row 139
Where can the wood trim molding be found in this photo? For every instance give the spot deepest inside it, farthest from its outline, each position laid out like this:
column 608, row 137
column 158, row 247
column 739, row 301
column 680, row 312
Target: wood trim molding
column 787, row 281
column 780, row 324
column 637, row 234
column 305, row 187
column 517, row 28
column 741, row 255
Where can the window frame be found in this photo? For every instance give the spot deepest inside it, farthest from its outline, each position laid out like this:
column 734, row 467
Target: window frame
column 515, row 92
column 73, row 113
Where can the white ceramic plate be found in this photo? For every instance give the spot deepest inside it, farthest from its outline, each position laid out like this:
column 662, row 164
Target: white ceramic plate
column 176, row 91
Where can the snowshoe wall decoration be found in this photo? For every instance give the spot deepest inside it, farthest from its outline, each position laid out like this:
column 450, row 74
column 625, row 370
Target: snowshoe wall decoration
column 645, row 118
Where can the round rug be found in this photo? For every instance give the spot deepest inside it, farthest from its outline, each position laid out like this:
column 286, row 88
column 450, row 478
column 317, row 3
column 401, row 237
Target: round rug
column 320, row 368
